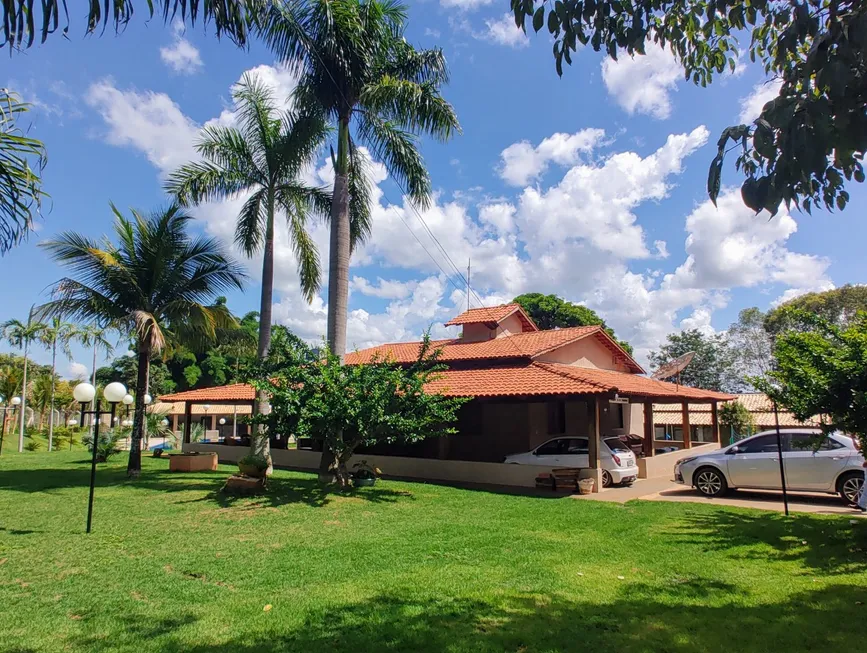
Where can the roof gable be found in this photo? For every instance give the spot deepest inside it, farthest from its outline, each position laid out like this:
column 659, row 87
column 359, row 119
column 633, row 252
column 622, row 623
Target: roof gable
column 494, row 315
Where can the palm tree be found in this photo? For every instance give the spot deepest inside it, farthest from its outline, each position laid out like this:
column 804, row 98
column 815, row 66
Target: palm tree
column 41, row 391
column 357, row 65
column 10, row 384
column 20, row 334
column 153, row 284
column 264, row 158
column 57, row 334
column 95, row 336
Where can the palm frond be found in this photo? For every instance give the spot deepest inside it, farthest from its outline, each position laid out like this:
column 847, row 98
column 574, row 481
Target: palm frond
column 417, row 107
column 360, row 185
column 201, row 181
column 418, row 66
column 250, row 230
column 296, row 203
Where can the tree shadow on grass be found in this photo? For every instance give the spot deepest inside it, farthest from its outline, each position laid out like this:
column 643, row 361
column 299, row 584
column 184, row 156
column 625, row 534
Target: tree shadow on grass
column 697, row 615
column 829, row 546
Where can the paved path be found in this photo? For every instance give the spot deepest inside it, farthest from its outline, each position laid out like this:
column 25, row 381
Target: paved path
column 662, row 489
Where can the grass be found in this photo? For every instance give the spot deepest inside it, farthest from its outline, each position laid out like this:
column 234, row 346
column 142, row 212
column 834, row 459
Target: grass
column 173, row 565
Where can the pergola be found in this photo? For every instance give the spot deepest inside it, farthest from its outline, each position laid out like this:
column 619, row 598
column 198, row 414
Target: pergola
column 237, row 394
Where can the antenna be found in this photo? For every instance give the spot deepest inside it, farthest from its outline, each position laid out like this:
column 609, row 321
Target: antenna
column 469, row 261
column 673, row 368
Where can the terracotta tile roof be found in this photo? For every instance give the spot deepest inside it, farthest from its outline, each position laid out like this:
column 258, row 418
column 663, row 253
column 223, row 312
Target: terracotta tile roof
column 177, row 408
column 510, row 380
column 493, row 314
column 757, row 403
column 234, row 392
column 520, row 345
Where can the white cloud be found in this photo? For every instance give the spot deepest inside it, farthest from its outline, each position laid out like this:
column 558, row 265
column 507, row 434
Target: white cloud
column 383, row 288
column 752, row 105
column 464, row 5
column 181, row 56
column 661, row 248
column 644, row 83
column 498, row 215
column 77, row 371
column 503, row 31
column 522, row 163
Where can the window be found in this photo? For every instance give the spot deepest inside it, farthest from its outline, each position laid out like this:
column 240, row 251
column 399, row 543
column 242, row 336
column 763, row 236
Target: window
column 616, row 445
column 702, row 434
column 615, row 412
column 556, row 417
column 551, row 448
column 811, row 442
column 762, row 444
column 577, row 446
column 659, row 433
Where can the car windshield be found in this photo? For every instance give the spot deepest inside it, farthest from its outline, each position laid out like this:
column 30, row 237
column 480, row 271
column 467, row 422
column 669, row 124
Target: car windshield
column 616, row 445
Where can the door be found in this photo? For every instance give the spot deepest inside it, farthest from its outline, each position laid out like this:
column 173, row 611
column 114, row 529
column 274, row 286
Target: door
column 808, row 468
column 575, row 452
column 548, row 453
column 756, row 464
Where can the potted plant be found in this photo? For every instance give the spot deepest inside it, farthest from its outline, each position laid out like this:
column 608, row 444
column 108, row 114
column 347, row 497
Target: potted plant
column 364, row 475
column 253, row 465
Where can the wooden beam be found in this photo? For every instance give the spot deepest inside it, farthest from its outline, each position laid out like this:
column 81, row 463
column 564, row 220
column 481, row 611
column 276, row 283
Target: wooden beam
column 714, row 421
column 648, row 428
column 595, row 440
column 687, row 436
column 188, row 421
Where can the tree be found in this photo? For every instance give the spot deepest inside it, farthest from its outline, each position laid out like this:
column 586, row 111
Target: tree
column 21, row 334
column 41, row 391
column 124, row 369
column 737, row 419
column 750, row 345
column 347, row 406
column 10, row 385
column 809, row 141
column 96, row 336
column 823, row 371
column 357, row 65
column 56, row 333
column 710, row 369
column 21, row 161
column 553, row 312
column 838, row 306
column 264, row 157
column 151, row 285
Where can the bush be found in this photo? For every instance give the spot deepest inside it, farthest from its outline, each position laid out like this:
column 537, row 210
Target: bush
column 33, row 445
column 254, row 460
column 737, row 419
column 109, row 444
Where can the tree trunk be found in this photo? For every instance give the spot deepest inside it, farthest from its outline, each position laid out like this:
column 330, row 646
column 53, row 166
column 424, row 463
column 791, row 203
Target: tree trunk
column 23, row 398
column 51, row 403
column 259, row 442
column 133, row 467
column 338, row 269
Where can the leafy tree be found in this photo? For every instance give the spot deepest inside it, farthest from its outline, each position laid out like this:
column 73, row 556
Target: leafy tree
column 553, row 312
column 737, row 419
column 21, row 334
column 151, row 285
column 750, row 345
column 712, row 366
column 344, row 407
column 56, row 334
column 823, row 371
column 359, row 71
column 41, row 393
column 21, row 161
column 838, row 306
column 807, row 142
column 124, row 369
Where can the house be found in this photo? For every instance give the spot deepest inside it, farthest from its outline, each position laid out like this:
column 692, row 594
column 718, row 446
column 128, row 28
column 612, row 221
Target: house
column 667, row 420
column 526, row 385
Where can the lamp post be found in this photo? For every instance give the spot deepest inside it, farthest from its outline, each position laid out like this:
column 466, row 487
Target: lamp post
column 71, row 422
column 222, row 424
column 84, row 393
column 15, row 401
column 127, row 401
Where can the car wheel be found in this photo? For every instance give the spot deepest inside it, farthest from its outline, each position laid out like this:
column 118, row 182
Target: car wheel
column 850, row 486
column 606, row 478
column 710, row 482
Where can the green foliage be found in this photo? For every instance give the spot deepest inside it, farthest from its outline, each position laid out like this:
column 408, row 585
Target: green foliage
column 254, row 460
column 838, row 306
column 735, row 417
column 809, row 141
column 553, row 312
column 32, row 445
column 21, row 161
column 346, row 406
column 124, row 369
column 750, row 345
column 109, row 443
column 713, row 365
column 822, row 371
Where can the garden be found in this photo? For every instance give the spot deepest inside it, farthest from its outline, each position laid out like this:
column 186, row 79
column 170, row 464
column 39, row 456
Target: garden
column 173, row 564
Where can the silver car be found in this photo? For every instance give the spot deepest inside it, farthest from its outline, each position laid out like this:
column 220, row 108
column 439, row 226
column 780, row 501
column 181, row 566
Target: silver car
column 812, row 463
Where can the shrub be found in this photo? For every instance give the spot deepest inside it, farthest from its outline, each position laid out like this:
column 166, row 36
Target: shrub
column 254, row 460
column 33, row 445
column 109, row 444
column 736, row 418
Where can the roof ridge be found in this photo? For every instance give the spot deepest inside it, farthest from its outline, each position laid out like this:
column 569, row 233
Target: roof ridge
column 547, row 367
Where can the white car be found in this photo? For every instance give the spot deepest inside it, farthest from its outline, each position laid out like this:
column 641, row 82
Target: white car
column 812, row 463
column 618, row 462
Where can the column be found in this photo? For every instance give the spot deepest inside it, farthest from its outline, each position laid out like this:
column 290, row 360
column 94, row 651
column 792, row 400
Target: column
column 175, row 423
column 188, row 421
column 686, row 430
column 594, row 443
column 648, row 428
column 714, row 421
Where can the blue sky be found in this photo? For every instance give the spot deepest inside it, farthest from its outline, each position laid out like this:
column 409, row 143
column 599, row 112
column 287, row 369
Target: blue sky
column 590, row 186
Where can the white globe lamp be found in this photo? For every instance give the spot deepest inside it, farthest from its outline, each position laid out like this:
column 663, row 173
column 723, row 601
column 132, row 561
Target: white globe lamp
column 222, row 421
column 147, row 399
column 165, row 422
column 114, row 392
column 72, row 421
column 83, row 393
column 16, row 401
column 127, row 399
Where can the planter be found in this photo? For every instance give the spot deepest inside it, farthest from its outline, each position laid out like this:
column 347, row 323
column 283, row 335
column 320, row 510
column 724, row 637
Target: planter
column 363, row 482
column 252, row 471
column 585, row 485
column 193, row 462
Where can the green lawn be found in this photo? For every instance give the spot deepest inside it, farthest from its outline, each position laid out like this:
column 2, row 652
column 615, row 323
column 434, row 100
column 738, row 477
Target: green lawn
column 174, row 566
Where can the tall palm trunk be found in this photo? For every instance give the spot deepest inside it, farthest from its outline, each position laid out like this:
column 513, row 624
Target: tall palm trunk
column 23, row 398
column 51, row 403
column 260, row 444
column 133, row 467
column 338, row 269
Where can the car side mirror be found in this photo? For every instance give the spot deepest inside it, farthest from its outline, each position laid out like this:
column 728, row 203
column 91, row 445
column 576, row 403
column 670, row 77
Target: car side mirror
column 733, row 450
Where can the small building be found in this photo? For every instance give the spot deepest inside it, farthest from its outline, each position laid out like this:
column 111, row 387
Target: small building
column 526, row 385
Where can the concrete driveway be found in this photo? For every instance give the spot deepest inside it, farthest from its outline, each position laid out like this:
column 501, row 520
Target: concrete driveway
column 659, row 489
